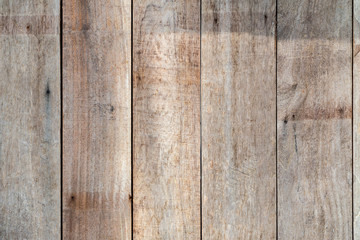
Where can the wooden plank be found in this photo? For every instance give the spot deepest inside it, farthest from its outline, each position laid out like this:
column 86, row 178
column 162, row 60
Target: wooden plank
column 314, row 119
column 166, row 119
column 238, row 119
column 29, row 119
column 356, row 119
column 97, row 119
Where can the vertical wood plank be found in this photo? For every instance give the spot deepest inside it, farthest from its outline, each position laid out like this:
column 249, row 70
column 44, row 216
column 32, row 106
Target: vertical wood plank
column 166, row 115
column 97, row 119
column 314, row 119
column 29, row 119
column 356, row 118
column 239, row 119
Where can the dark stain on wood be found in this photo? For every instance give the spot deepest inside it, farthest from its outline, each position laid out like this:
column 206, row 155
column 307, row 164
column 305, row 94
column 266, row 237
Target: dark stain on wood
column 35, row 25
column 47, row 92
column 321, row 113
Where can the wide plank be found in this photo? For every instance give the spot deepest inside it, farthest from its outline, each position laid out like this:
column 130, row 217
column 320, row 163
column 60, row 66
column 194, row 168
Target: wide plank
column 314, row 126
column 238, row 96
column 96, row 119
column 166, row 119
column 29, row 119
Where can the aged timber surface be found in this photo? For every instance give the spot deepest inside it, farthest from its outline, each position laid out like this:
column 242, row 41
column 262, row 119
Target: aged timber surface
column 239, row 119
column 166, row 174
column 356, row 120
column 29, row 119
column 97, row 119
column 314, row 119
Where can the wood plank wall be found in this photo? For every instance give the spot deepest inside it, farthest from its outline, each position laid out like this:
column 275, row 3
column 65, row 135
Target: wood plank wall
column 238, row 97
column 96, row 119
column 314, row 89
column 186, row 119
column 166, row 119
column 30, row 164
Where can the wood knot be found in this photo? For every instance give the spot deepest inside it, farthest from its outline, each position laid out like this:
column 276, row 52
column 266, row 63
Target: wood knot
column 286, row 120
column 341, row 110
column 47, row 91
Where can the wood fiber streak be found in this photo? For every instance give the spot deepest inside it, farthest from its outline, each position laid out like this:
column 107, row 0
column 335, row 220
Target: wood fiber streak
column 29, row 119
column 239, row 119
column 97, row 119
column 166, row 119
column 314, row 119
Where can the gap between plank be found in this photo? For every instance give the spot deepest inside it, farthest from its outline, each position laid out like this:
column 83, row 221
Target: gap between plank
column 200, row 125
column 132, row 125
column 352, row 119
column 61, row 118
column 276, row 119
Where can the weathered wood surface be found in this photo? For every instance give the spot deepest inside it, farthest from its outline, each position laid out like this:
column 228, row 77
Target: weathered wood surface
column 238, row 96
column 29, row 119
column 314, row 119
column 166, row 119
column 97, row 119
column 356, row 119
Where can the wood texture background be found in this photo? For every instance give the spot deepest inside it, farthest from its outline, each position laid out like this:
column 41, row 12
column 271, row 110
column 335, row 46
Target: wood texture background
column 30, row 119
column 314, row 89
column 166, row 119
column 356, row 119
column 97, row 119
column 238, row 98
column 186, row 119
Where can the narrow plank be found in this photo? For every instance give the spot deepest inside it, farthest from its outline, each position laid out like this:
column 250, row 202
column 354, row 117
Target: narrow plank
column 97, row 119
column 166, row 119
column 238, row 119
column 314, row 119
column 356, row 119
column 29, row 119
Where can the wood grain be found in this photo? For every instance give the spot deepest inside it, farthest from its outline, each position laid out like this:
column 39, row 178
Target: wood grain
column 238, row 119
column 97, row 119
column 314, row 119
column 166, row 119
column 29, row 119
column 356, row 119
